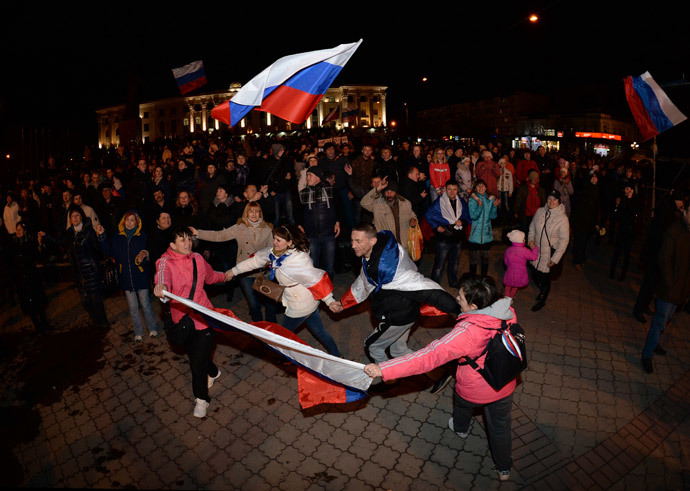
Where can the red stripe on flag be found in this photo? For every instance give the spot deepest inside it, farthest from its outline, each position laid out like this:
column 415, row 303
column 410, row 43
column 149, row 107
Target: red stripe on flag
column 290, row 104
column 313, row 390
column 194, row 84
column 222, row 112
column 348, row 299
column 430, row 310
column 639, row 111
column 322, row 288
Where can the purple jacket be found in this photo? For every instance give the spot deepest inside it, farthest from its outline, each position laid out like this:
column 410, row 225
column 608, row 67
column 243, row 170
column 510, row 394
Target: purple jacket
column 515, row 258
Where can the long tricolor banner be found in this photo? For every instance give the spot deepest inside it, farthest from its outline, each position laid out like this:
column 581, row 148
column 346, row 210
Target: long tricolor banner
column 338, row 380
column 290, row 88
column 652, row 109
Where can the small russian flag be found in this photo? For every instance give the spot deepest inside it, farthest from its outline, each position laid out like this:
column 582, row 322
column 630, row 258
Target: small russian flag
column 190, row 77
column 511, row 345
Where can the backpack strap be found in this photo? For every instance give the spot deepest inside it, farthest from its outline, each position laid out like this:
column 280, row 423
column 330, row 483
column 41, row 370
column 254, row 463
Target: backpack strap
column 473, row 361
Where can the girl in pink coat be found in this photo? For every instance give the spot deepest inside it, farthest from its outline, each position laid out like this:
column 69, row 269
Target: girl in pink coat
column 515, row 259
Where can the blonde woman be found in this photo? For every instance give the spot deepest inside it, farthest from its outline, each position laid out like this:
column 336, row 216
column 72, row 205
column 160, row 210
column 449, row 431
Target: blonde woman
column 439, row 173
column 252, row 234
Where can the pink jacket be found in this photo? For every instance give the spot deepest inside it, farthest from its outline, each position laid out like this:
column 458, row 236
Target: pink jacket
column 515, row 258
column 176, row 272
column 468, row 338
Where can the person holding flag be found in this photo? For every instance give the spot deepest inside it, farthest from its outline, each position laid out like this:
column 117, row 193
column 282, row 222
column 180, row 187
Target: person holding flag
column 305, row 286
column 397, row 292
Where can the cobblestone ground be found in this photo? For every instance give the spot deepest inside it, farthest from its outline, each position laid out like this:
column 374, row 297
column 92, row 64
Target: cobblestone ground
column 83, row 409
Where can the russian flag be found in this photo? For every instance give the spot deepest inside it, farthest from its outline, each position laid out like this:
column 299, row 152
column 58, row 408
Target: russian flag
column 332, row 116
column 190, row 77
column 290, row 88
column 349, row 114
column 652, row 109
column 322, row 378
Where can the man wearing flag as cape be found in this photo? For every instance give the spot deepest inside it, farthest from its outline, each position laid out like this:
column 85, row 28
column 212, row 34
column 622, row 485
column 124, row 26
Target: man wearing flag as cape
column 397, row 292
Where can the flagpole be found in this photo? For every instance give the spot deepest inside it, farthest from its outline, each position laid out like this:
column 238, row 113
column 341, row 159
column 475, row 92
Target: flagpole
column 654, row 148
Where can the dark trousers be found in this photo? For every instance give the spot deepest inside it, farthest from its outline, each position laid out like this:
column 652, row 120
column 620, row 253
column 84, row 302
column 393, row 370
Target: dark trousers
column 199, row 347
column 93, row 303
column 498, row 421
column 446, row 249
column 322, row 253
column 648, row 287
column 543, row 282
column 580, row 239
column 623, row 245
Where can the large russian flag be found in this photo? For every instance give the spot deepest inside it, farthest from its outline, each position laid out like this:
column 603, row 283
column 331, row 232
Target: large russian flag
column 322, row 378
column 652, row 109
column 190, row 77
column 290, row 88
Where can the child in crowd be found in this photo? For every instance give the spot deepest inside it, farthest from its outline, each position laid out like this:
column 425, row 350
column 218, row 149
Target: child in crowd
column 515, row 259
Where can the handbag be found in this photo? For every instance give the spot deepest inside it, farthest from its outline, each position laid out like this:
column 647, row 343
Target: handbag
column 110, row 277
column 415, row 242
column 178, row 332
column 269, row 288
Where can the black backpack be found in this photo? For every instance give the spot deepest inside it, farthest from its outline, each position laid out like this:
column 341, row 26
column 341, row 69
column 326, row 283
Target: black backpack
column 506, row 356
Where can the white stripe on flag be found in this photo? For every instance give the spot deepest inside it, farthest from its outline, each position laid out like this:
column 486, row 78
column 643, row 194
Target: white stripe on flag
column 346, row 372
column 187, row 69
column 670, row 110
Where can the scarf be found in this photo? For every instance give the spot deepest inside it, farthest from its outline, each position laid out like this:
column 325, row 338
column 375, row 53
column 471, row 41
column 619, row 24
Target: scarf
column 276, row 262
column 447, row 211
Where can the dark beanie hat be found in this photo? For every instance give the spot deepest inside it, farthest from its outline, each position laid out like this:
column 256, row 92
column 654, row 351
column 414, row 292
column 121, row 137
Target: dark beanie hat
column 316, row 170
column 554, row 194
column 392, row 186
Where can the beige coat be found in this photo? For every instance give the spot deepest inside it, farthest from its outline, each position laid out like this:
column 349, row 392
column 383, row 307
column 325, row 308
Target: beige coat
column 249, row 239
column 383, row 216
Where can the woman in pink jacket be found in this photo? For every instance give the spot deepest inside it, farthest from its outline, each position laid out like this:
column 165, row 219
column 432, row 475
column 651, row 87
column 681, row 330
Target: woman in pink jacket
column 175, row 273
column 515, row 259
column 483, row 312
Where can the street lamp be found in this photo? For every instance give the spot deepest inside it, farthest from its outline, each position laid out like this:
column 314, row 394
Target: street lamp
column 533, row 18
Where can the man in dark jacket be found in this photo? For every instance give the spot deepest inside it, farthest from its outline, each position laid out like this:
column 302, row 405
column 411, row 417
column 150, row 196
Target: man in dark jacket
column 321, row 225
column 674, row 282
column 110, row 208
column 584, row 219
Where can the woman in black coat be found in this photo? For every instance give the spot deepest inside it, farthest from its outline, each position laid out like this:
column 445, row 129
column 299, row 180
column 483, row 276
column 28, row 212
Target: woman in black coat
column 27, row 280
column 84, row 251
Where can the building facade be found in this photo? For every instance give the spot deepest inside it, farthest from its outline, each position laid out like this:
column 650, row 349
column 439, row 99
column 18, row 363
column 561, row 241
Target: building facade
column 360, row 106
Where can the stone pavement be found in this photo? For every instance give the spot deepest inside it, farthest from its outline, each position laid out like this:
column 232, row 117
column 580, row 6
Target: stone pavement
column 82, row 409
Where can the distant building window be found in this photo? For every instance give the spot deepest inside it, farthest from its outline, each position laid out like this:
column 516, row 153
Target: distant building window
column 173, row 111
column 350, row 98
column 161, row 127
column 197, row 120
column 185, row 122
column 146, row 127
column 376, row 98
column 161, row 112
column 549, row 132
column 173, row 127
column 197, row 107
column 146, row 114
column 375, row 112
column 362, row 98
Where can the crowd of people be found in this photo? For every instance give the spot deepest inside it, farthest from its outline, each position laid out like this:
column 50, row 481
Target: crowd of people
column 174, row 211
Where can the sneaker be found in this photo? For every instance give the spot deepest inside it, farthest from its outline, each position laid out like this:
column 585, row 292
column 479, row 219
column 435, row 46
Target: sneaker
column 213, row 379
column 440, row 384
column 200, row 408
column 461, row 434
column 138, row 338
column 153, row 334
column 647, row 365
column 502, row 475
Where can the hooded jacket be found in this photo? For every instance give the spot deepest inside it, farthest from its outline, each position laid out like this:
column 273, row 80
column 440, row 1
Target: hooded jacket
column 132, row 275
column 481, row 216
column 469, row 337
column 175, row 271
column 515, row 259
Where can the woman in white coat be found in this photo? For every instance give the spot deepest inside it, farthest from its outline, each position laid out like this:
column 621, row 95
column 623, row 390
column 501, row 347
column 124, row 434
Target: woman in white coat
column 305, row 286
column 550, row 230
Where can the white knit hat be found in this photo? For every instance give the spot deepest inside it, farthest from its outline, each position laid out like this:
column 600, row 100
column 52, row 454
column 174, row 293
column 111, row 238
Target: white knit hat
column 516, row 236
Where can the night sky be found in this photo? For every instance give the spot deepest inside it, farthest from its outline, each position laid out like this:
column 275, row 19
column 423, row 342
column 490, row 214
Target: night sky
column 61, row 64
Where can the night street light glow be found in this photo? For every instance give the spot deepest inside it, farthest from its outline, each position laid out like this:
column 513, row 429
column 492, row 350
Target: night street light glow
column 533, row 18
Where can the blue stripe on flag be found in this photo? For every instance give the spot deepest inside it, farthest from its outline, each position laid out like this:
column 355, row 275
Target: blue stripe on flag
column 315, row 79
column 352, row 395
column 648, row 97
column 190, row 77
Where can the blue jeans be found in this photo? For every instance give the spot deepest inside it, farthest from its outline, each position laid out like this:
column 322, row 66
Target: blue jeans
column 255, row 300
column 283, row 199
column 322, row 253
column 317, row 329
column 134, row 299
column 664, row 312
column 446, row 249
column 497, row 426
